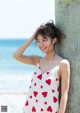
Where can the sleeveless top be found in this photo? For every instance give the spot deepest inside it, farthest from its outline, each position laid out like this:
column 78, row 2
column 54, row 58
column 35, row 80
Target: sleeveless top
column 44, row 92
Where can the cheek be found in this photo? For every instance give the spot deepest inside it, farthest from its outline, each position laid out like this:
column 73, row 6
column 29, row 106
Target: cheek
column 48, row 44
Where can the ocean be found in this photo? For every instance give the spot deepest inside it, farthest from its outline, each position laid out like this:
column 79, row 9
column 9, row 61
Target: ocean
column 14, row 75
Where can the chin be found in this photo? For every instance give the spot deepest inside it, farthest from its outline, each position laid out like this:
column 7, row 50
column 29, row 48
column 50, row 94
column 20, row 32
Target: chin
column 44, row 51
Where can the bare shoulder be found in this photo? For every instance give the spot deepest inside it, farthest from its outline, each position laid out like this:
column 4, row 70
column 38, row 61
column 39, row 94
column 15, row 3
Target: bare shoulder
column 64, row 62
column 64, row 65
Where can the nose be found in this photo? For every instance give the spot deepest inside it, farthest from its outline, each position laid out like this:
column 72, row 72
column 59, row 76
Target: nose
column 41, row 44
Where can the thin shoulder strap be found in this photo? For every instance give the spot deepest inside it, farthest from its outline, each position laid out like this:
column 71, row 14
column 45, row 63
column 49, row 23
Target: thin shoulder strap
column 60, row 60
column 38, row 61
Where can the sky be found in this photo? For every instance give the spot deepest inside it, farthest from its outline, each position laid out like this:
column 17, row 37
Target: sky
column 20, row 18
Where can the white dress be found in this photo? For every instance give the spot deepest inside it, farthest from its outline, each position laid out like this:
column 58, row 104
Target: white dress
column 44, row 92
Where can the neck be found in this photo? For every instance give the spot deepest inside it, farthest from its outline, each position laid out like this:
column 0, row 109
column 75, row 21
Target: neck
column 50, row 56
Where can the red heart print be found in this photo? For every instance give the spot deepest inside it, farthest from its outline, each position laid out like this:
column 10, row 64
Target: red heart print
column 29, row 86
column 39, row 67
column 42, row 109
column 58, row 88
column 34, row 72
column 26, row 104
column 44, row 94
column 35, row 93
column 53, row 90
column 49, row 109
column 39, row 76
column 56, row 79
column 47, row 73
column 31, row 80
column 33, row 109
column 48, row 81
column 36, row 100
column 45, row 102
column 34, row 84
column 41, row 87
column 31, row 96
column 54, row 99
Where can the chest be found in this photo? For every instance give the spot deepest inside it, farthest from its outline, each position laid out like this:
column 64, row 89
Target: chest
column 44, row 68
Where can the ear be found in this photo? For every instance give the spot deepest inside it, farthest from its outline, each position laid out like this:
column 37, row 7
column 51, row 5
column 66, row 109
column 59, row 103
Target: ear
column 54, row 40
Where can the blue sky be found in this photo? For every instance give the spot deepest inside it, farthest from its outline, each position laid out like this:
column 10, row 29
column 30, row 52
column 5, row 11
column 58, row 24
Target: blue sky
column 20, row 18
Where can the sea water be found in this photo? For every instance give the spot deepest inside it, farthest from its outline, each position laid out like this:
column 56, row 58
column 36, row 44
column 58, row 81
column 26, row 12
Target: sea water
column 14, row 75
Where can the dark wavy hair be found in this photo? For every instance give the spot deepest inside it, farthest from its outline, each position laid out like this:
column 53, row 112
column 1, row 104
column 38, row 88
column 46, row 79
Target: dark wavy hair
column 50, row 30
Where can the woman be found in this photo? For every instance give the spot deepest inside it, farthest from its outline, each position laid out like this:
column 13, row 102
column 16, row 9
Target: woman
column 52, row 75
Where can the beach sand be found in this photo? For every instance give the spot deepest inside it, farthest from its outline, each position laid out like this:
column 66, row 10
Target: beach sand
column 12, row 102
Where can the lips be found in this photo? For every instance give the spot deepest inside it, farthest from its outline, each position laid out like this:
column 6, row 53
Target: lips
column 43, row 48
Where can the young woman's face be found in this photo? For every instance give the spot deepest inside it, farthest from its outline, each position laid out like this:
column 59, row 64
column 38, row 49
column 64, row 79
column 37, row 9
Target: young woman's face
column 44, row 44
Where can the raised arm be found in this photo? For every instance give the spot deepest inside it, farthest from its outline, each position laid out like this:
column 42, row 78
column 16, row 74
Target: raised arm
column 18, row 55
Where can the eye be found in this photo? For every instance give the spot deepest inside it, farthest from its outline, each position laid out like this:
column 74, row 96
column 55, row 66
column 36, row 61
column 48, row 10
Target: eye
column 44, row 40
column 37, row 41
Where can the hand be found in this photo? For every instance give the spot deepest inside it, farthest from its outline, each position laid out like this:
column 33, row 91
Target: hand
column 37, row 29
